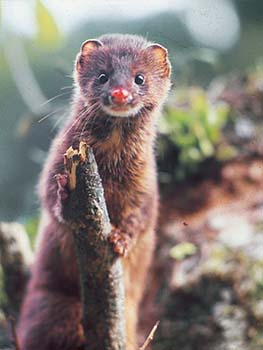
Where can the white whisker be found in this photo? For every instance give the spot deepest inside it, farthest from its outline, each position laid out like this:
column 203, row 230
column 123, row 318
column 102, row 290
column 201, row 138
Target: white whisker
column 77, row 120
column 50, row 114
column 67, row 87
column 53, row 98
column 58, row 121
column 94, row 108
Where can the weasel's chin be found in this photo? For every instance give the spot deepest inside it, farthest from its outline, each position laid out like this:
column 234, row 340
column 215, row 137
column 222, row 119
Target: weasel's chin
column 122, row 112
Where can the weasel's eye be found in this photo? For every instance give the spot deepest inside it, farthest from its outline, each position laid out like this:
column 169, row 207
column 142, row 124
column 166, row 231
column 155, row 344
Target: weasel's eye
column 103, row 78
column 139, row 79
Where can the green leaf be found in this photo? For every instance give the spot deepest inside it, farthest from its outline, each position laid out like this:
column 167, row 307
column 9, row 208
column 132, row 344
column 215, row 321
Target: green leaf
column 206, row 147
column 226, row 152
column 199, row 102
column 183, row 139
column 193, row 154
column 180, row 251
column 48, row 34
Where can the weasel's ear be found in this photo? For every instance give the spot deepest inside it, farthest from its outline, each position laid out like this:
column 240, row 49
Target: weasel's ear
column 161, row 56
column 87, row 48
column 90, row 45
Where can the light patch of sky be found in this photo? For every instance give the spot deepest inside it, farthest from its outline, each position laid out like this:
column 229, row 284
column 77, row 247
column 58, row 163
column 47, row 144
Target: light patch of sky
column 18, row 15
column 212, row 23
column 81, row 10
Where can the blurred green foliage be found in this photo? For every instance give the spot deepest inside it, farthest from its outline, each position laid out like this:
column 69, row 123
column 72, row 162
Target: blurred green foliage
column 48, row 34
column 195, row 126
column 183, row 250
column 31, row 226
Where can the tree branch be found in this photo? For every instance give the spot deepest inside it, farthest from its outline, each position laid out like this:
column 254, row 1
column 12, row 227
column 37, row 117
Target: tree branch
column 100, row 270
column 16, row 257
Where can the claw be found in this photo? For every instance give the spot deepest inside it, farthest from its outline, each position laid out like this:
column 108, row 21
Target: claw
column 62, row 181
column 120, row 242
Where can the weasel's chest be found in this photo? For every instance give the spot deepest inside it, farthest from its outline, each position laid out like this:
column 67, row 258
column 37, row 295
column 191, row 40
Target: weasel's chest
column 119, row 198
column 127, row 176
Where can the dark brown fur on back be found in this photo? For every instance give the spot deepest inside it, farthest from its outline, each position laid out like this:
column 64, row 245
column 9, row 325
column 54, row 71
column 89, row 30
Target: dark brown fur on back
column 124, row 150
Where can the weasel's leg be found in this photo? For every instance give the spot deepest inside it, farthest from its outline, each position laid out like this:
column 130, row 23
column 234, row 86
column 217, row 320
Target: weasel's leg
column 131, row 317
column 136, row 267
column 50, row 321
column 62, row 181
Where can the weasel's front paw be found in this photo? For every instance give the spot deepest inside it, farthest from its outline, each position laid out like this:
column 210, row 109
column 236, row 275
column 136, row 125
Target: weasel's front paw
column 62, row 194
column 121, row 242
column 62, row 181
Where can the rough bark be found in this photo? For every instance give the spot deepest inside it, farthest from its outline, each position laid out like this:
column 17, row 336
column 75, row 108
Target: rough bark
column 100, row 269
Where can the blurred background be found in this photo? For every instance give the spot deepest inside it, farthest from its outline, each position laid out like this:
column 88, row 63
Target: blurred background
column 39, row 40
column 209, row 149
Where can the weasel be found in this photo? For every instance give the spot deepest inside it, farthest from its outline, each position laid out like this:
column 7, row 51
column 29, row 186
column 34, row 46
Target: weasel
column 121, row 82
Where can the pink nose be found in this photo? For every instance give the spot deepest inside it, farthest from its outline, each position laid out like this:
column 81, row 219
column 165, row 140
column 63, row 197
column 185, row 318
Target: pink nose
column 120, row 95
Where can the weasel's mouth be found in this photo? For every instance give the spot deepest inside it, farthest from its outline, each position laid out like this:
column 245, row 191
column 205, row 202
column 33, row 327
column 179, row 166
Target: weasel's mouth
column 120, row 102
column 121, row 111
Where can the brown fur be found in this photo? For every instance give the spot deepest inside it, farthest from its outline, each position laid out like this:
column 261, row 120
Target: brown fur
column 124, row 150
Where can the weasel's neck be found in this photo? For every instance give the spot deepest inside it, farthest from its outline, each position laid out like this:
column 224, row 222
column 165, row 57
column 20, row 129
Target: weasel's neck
column 124, row 151
column 131, row 137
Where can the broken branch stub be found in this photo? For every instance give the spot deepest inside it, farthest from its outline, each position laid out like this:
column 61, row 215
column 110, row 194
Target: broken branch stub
column 100, row 270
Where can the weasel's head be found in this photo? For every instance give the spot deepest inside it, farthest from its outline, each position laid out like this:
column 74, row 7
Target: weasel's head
column 122, row 74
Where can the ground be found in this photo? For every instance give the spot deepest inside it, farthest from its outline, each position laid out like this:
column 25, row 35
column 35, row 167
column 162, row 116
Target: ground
column 207, row 279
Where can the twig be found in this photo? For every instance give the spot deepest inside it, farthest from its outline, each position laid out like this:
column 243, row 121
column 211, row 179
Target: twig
column 150, row 336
